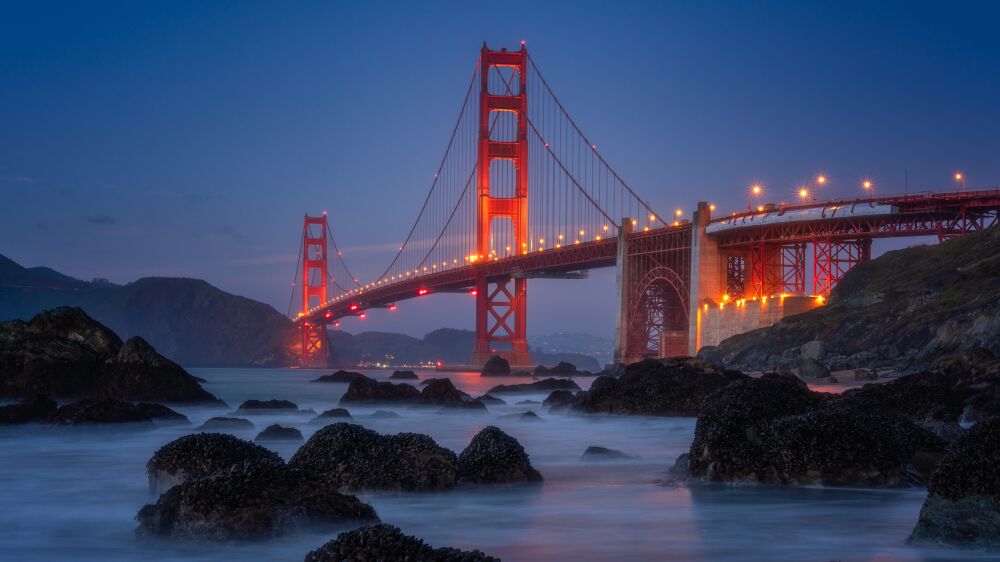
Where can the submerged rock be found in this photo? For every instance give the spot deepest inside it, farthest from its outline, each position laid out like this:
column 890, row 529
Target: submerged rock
column 490, row 399
column 226, row 424
column 387, row 543
column 249, row 500
column 562, row 369
column 963, row 498
column 494, row 457
column 199, row 455
column 442, row 392
column 161, row 413
column 597, row 453
column 559, row 401
column 403, row 375
column 543, row 385
column 526, row 416
column 138, row 372
column 266, row 406
column 277, row 432
column 341, row 376
column 495, row 366
column 34, row 409
column 100, row 410
column 367, row 391
column 356, row 458
column 334, row 413
column 673, row 387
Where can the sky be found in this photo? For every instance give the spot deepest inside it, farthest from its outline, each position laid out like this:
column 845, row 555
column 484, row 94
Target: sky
column 189, row 138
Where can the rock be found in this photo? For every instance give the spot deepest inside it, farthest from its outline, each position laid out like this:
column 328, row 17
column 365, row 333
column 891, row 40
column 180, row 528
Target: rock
column 200, row 455
column 341, row 376
column 250, row 500
column 814, row 350
column 388, row 543
column 526, row 416
column 356, row 458
column 681, row 467
column 674, row 387
column 494, row 457
column 368, row 391
column 226, row 424
column 161, row 413
column 384, row 415
column 403, row 375
column 495, row 366
column 773, row 430
column 596, row 453
column 559, row 401
column 442, row 392
column 865, row 375
column 544, row 385
column 63, row 353
column 100, row 410
column 963, row 498
column 490, row 399
column 266, row 406
column 812, row 369
column 35, row 409
column 527, row 402
column 562, row 369
column 277, row 432
column 334, row 413
column 138, row 372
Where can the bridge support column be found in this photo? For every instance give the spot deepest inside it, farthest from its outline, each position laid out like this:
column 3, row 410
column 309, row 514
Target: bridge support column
column 500, row 318
column 313, row 351
column 622, row 285
column 709, row 273
column 832, row 259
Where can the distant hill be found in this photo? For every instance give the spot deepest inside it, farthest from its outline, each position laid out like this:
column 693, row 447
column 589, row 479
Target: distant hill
column 187, row 320
column 903, row 309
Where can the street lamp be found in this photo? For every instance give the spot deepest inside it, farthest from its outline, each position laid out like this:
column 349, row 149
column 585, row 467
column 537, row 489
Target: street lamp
column 804, row 193
column 755, row 191
column 960, row 178
column 868, row 186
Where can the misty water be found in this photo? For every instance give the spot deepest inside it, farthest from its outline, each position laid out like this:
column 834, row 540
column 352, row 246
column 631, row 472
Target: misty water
column 72, row 493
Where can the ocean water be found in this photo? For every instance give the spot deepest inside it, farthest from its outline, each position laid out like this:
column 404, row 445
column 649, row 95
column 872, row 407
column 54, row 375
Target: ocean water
column 72, row 493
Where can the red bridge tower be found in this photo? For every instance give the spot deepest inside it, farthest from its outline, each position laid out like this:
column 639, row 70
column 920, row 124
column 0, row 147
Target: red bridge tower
column 314, row 290
column 501, row 303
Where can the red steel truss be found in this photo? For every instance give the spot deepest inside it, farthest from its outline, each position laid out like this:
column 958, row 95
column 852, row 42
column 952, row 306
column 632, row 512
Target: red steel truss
column 834, row 258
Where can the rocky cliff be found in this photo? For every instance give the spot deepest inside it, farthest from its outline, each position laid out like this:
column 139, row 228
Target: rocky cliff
column 904, row 309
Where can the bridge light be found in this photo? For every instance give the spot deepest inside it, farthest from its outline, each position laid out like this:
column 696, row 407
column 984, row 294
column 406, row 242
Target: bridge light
column 821, row 179
column 392, row 308
column 576, row 241
column 676, row 223
column 756, row 189
column 867, row 184
column 422, row 292
column 336, row 324
column 560, row 236
column 541, row 240
column 760, row 208
column 711, row 207
column 473, row 292
column 958, row 176
column 803, row 193
column 646, row 228
column 598, row 237
column 725, row 298
column 362, row 316
column 353, row 307
column 581, row 230
column 605, row 228
column 328, row 314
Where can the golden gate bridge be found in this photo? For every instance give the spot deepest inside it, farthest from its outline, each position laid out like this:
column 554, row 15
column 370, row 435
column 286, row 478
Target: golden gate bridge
column 522, row 193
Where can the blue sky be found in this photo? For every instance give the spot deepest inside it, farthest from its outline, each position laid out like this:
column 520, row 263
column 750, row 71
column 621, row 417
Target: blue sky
column 187, row 139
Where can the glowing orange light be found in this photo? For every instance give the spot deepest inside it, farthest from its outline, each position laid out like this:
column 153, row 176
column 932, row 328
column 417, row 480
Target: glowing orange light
column 760, row 208
column 821, row 179
column 867, row 184
column 725, row 298
column 756, row 189
column 958, row 176
column 803, row 193
column 711, row 207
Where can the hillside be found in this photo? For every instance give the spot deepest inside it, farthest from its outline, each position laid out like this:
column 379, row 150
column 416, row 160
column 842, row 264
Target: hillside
column 902, row 309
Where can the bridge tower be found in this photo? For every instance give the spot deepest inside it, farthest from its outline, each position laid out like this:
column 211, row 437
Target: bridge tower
column 314, row 352
column 501, row 303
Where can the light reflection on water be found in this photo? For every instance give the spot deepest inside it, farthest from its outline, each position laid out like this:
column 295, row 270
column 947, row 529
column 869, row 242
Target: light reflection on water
column 72, row 494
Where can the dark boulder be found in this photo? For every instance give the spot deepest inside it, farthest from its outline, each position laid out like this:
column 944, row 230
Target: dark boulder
column 161, row 413
column 963, row 498
column 442, row 392
column 810, row 368
column 496, row 366
column 597, row 453
column 403, row 375
column 341, row 376
column 543, row 385
column 267, row 406
column 63, row 353
column 250, row 500
column 199, row 455
column 494, row 457
column 334, row 413
column 526, row 416
column 226, row 424
column 559, row 401
column 100, row 410
column 490, row 399
column 368, row 391
column 673, row 387
column 277, row 432
column 562, row 369
column 356, row 458
column 387, row 543
column 138, row 372
column 774, row 430
column 34, row 409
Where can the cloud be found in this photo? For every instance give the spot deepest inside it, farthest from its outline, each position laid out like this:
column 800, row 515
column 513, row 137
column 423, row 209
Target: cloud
column 100, row 219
